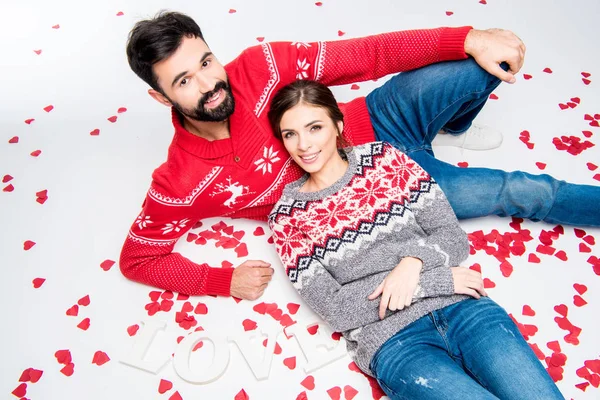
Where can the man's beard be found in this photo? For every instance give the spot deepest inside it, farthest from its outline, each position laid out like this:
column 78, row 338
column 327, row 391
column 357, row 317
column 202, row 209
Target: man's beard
column 217, row 114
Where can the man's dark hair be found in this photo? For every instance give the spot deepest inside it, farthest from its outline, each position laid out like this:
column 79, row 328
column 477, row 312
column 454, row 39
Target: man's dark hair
column 154, row 40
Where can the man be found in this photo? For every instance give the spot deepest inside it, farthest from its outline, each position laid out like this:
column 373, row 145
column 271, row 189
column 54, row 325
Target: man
column 224, row 160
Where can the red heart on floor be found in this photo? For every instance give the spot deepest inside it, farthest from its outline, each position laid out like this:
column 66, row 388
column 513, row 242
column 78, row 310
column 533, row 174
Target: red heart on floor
column 584, row 249
column 463, row 164
column 68, row 369
column 563, row 106
column 31, row 375
column 587, row 134
column 270, row 240
column 586, row 74
column 73, row 311
column 38, row 52
column 561, row 309
column 49, row 108
column 13, row 140
column 582, row 386
column 7, row 178
column 353, row 367
column 482, row 2
column 239, row 235
column 506, row 268
column 354, row 87
column 121, row 110
column 107, row 264
column 493, row 97
column 132, row 329
column 260, row 38
column 592, row 166
column 120, row 14
column 476, row 267
column 112, row 119
column 249, row 325
column 586, row 81
column 95, row 132
column 597, row 177
column 36, row 153
column 335, row 393
column 38, row 282
column 449, row 13
column 579, row 301
column 290, row 362
column 28, row 244
column 561, row 255
column 293, row 308
column 313, row 329
column 554, row 346
column 527, row 76
column 166, row 305
column 349, row 391
column 201, row 309
column 286, row 321
column 84, row 324
column 177, row 396
column 84, row 301
column 21, row 390
column 9, row 188
column 63, row 356
column 488, row 283
column 187, row 307
column 576, row 100
column 232, row 11
column 164, row 386
column 259, row 231
column 100, row 358
column 527, row 310
column 308, row 382
column 547, row 70
column 548, row 250
column 579, row 232
column 241, row 395
column 318, row 4
column 29, row 121
column 589, row 239
column 181, row 297
column 340, row 33
column 241, row 250
column 581, row 289
column 56, row 26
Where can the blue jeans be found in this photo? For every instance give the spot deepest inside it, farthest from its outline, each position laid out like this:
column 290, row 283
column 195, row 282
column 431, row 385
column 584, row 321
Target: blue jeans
column 409, row 110
column 468, row 350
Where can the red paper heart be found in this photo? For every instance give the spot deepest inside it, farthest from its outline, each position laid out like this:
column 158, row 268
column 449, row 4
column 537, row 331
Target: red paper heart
column 38, row 282
column 488, row 283
column 586, row 81
column 260, row 308
column 259, row 231
column 318, row 4
column 527, row 76
column 349, row 391
column 583, row 248
column 232, row 11
column 587, row 134
column 121, row 110
column 476, row 267
column 493, row 97
column 63, row 356
column 95, row 132
column 354, row 87
column 249, row 325
column 541, row 165
column 21, row 390
column 238, row 235
column 112, row 119
column 313, row 329
column 164, row 386
column 73, row 311
column 449, row 13
column 353, row 367
column 579, row 232
column 84, row 301
column 31, row 375
column 177, row 396
column 201, row 308
column 181, row 297
column 286, row 321
column 528, row 311
column 597, row 177
column 561, row 255
column 340, row 33
column 187, row 307
column 7, row 178
column 589, row 239
column 290, row 362
column 132, row 329
column 241, row 250
column 13, row 140
column 547, row 70
column 561, row 309
column 84, row 324
column 576, row 100
column 107, row 264
column 302, row 396
column 335, row 393
column 482, row 2
column 241, row 395
column 582, row 386
column 38, row 52
column 36, row 153
column 68, row 369
column 29, row 121
column 293, row 308
column 120, row 13
column 308, row 382
column 100, row 358
column 563, row 106
column 9, row 188
column 579, row 301
column 581, row 289
column 56, row 26
column 463, row 164
column 260, row 38
column 49, row 108
column 586, row 74
column 154, row 295
column 592, row 166
column 506, row 268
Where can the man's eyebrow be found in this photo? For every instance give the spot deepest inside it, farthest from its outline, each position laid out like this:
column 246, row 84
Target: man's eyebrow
column 184, row 73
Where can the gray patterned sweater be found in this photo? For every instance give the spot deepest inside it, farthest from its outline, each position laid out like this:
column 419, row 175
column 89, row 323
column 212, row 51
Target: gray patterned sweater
column 338, row 244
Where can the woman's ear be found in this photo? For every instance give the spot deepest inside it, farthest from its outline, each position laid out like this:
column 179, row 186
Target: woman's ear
column 340, row 125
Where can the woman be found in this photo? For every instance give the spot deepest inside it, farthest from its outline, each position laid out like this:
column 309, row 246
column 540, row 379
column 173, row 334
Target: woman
column 368, row 223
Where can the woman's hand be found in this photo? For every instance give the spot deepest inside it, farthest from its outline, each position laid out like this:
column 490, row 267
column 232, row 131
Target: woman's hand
column 398, row 287
column 467, row 281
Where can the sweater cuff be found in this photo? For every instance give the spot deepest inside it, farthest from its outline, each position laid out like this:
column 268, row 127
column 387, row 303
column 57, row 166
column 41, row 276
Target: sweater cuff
column 219, row 281
column 452, row 43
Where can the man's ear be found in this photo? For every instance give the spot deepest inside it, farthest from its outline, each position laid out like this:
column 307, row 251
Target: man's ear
column 158, row 96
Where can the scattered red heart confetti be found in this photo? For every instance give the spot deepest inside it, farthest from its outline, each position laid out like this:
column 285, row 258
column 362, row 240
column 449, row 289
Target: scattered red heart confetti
column 592, row 166
column 340, row 33
column 36, row 153
column 249, row 325
column 597, row 177
column 482, row 2
column 68, row 369
column 449, row 13
column 164, row 386
column 582, row 386
column 302, row 396
column 313, row 329
column 586, row 74
column 132, row 329
column 63, row 356
column 31, row 375
column 586, row 81
column 561, row 255
column 547, row 70
column 7, row 178
column 84, row 324
column 318, row 4
column 335, row 393
column 38, row 52
column 563, row 106
column 38, row 282
column 463, row 164
column 41, row 196
column 561, row 309
column 73, row 311
column 100, row 358
column 587, row 134
column 260, row 38
column 29, row 121
column 56, row 26
column 354, row 87
column 120, row 14
column 95, row 132
column 176, row 396
column 107, row 264
column 293, row 308
column 581, row 289
column 49, row 108
column 260, row 308
column 290, row 362
column 9, row 188
column 579, row 232
column 583, row 248
column 187, row 307
column 21, row 390
column 349, row 391
column 541, row 165
column 201, row 309
column 13, row 140
column 241, row 250
column 121, row 110
column 527, row 76
column 270, row 240
column 488, row 283
column 232, row 11
column 506, row 268
column 112, row 119
column 589, row 239
column 259, row 231
column 308, row 382
column 84, row 301
column 28, row 245
column 579, row 301
column 241, row 395
column 353, row 367
column 528, row 311
column 493, row 97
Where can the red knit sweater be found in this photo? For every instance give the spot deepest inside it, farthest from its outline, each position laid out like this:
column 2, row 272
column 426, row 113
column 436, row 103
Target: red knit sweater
column 243, row 176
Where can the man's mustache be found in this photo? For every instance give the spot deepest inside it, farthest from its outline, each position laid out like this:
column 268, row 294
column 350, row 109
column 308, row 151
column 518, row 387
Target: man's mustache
column 220, row 85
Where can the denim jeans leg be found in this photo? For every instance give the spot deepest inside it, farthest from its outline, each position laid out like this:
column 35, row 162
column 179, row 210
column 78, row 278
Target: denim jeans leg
column 415, row 364
column 494, row 352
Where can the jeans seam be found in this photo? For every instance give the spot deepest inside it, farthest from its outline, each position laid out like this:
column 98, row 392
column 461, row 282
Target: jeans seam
column 451, row 104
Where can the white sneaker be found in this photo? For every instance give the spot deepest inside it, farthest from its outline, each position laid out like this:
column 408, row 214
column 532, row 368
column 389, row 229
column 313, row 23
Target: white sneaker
column 477, row 137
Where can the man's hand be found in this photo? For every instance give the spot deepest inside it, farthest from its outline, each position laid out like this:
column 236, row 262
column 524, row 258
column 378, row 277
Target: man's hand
column 250, row 279
column 494, row 46
column 467, row 281
column 398, row 287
